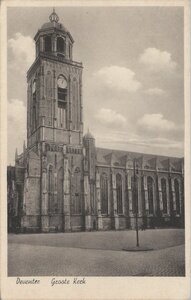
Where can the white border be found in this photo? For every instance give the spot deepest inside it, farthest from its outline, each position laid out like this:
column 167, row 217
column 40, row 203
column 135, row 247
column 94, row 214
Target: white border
column 96, row 287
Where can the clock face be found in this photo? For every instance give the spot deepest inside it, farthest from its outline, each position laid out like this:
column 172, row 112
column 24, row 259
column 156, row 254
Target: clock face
column 34, row 86
column 62, row 83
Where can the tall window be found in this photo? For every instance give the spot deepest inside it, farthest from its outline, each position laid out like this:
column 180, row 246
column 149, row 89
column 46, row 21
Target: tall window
column 50, row 186
column 164, row 194
column 60, row 45
column 62, row 101
column 134, row 189
column 119, row 194
column 47, row 44
column 76, row 191
column 104, row 193
column 60, row 178
column 49, row 92
column 150, row 186
column 75, row 106
column 92, row 195
column 177, row 195
column 34, row 105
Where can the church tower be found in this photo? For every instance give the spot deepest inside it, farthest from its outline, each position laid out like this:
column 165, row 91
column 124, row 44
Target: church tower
column 54, row 88
column 53, row 193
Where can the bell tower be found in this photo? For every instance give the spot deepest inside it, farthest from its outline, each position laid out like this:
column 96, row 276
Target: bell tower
column 53, row 195
column 54, row 88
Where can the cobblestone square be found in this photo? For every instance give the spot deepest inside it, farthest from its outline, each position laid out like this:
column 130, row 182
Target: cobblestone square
column 97, row 254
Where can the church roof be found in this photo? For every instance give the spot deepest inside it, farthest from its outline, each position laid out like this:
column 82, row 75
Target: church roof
column 50, row 25
column 54, row 24
column 148, row 161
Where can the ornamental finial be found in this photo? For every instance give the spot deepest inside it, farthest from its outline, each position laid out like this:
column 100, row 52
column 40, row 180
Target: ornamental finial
column 54, row 17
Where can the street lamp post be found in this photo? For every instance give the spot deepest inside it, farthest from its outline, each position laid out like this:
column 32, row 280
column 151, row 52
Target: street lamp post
column 135, row 170
column 135, row 200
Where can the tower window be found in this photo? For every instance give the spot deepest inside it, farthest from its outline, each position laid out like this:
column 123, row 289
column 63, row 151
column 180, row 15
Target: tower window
column 60, row 45
column 62, row 101
column 47, row 44
column 34, row 105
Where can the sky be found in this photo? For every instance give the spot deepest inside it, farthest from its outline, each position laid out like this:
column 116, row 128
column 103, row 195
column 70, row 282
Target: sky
column 133, row 84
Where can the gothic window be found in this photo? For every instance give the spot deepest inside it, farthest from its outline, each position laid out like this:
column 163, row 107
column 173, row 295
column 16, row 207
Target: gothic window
column 60, row 178
column 104, row 193
column 55, row 160
column 76, row 191
column 164, row 194
column 34, row 105
column 134, row 189
column 92, row 195
column 119, row 194
column 50, row 186
column 49, row 113
column 62, row 101
column 60, row 45
column 150, row 186
column 75, row 105
column 177, row 195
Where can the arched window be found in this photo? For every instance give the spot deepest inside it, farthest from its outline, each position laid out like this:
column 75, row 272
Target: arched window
column 150, row 186
column 119, row 193
column 62, row 101
column 164, row 194
column 60, row 178
column 49, row 93
column 134, row 189
column 47, row 43
column 76, row 191
column 75, row 104
column 60, row 45
column 104, row 193
column 50, row 186
column 92, row 195
column 177, row 195
column 34, row 105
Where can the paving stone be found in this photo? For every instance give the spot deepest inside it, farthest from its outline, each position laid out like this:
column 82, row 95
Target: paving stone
column 96, row 254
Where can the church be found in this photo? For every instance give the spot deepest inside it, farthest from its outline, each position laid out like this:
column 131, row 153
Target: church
column 62, row 182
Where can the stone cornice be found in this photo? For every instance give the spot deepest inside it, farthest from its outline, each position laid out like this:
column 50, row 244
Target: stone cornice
column 140, row 170
column 44, row 31
column 45, row 56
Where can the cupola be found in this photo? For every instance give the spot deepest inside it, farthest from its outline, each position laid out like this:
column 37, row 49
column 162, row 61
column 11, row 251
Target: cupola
column 54, row 39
